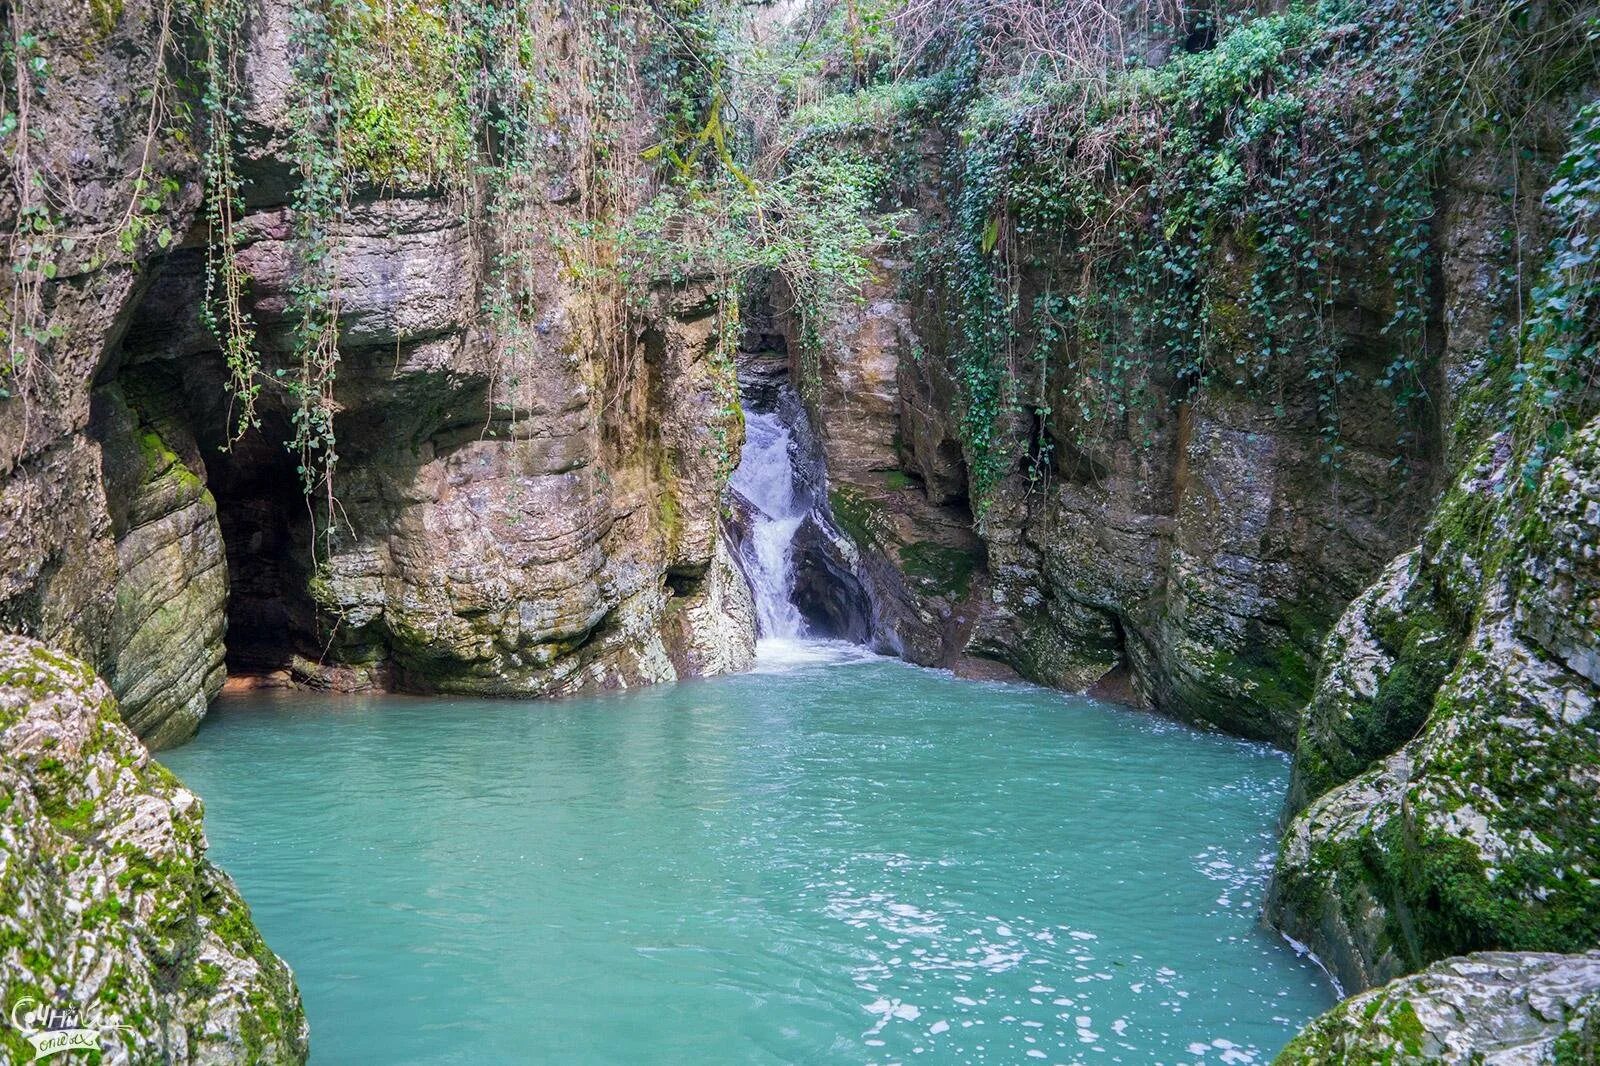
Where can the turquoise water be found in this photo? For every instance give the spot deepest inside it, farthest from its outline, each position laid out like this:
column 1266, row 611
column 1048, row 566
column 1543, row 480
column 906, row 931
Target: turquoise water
column 822, row 863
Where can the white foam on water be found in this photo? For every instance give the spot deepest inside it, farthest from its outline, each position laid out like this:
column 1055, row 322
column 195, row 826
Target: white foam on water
column 776, row 655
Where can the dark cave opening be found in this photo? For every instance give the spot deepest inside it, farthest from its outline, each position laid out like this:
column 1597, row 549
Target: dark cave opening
column 265, row 522
column 174, row 381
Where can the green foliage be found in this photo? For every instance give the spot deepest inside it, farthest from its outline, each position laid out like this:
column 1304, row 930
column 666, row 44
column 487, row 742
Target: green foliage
column 1556, row 382
column 408, row 108
column 875, row 109
column 318, row 124
column 220, row 23
column 809, row 226
column 1208, row 221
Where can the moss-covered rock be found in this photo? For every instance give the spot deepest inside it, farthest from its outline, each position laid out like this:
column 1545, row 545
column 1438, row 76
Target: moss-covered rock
column 1385, row 661
column 1493, row 1007
column 1480, row 833
column 108, row 905
column 171, row 591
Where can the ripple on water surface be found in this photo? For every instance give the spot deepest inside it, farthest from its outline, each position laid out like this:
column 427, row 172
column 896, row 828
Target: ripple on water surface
column 834, row 858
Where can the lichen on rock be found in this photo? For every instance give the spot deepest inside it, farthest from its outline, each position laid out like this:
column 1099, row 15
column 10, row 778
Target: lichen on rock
column 1480, row 832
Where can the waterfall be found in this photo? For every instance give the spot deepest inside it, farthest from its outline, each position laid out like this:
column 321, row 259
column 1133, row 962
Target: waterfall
column 766, row 478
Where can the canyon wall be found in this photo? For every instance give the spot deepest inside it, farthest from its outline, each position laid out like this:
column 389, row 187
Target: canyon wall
column 520, row 505
column 1219, row 506
column 108, row 904
column 1191, row 558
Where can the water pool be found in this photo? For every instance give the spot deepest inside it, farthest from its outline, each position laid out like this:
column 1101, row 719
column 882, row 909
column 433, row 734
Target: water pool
column 835, row 858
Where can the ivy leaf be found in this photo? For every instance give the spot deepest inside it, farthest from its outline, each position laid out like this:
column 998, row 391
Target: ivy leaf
column 991, row 234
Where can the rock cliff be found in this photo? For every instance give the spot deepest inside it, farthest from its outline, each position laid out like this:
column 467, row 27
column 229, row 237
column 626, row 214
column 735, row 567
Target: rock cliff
column 523, row 496
column 1190, row 556
column 347, row 347
column 1234, row 527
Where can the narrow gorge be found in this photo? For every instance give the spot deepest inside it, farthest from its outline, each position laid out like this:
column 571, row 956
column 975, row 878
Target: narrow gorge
column 800, row 530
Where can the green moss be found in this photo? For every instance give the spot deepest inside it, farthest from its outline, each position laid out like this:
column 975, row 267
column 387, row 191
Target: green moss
column 1230, row 327
column 106, row 14
column 1453, row 904
column 161, row 461
column 104, row 911
column 205, row 978
column 75, row 819
column 666, row 503
column 1278, row 678
column 157, row 456
column 1407, row 1028
column 408, row 115
column 939, row 569
column 1386, row 1032
column 859, row 517
column 1340, row 740
column 1580, row 1046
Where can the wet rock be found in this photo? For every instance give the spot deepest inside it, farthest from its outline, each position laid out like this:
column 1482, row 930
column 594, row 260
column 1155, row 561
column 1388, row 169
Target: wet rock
column 896, row 485
column 1480, row 831
column 826, row 589
column 172, row 578
column 513, row 512
column 711, row 620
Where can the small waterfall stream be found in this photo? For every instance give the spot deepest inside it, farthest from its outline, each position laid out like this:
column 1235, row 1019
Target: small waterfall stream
column 766, row 478
column 801, row 569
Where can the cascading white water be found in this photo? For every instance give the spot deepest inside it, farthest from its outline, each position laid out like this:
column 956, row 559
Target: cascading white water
column 765, row 477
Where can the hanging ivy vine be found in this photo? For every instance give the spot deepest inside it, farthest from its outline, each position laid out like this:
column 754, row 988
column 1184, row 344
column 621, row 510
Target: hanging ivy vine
column 1208, row 220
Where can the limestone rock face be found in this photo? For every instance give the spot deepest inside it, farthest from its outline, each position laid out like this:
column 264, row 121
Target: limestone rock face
column 64, row 572
column 1190, row 555
column 1203, row 563
column 108, row 905
column 1480, row 832
column 1383, row 662
column 516, row 510
column 712, row 628
column 1495, row 1008
column 524, row 557
column 172, row 575
column 896, row 482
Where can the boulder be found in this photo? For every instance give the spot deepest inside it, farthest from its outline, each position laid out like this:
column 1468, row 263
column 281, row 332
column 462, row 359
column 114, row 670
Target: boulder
column 109, row 907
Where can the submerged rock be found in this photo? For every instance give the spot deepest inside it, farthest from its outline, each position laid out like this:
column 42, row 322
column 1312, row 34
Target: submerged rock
column 1495, row 1008
column 108, row 905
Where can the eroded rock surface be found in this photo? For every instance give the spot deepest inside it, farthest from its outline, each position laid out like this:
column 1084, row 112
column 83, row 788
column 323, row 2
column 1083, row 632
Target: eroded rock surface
column 108, row 904
column 519, row 507
column 1191, row 555
column 896, row 481
column 1481, row 831
column 1495, row 1009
